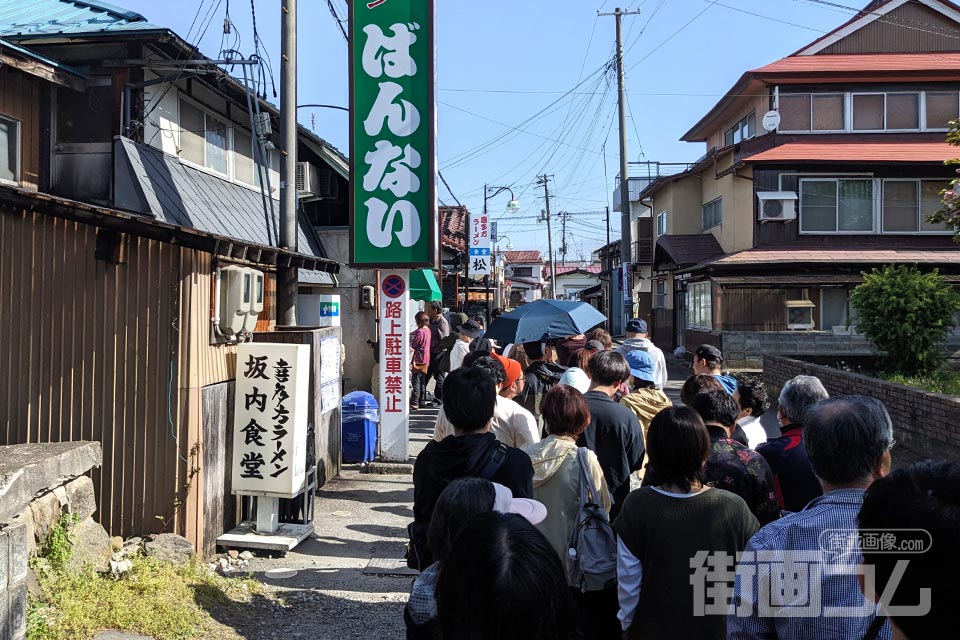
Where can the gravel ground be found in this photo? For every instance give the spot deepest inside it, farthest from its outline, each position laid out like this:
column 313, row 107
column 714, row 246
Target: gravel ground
column 358, row 516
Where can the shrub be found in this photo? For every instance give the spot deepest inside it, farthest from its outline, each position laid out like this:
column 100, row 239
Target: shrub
column 905, row 313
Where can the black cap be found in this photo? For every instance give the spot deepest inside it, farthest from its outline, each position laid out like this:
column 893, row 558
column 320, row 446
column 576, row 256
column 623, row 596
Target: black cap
column 709, row 352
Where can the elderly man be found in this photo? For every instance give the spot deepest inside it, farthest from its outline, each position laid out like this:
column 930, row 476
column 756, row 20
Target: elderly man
column 638, row 338
column 439, row 331
column 798, row 575
column 796, row 484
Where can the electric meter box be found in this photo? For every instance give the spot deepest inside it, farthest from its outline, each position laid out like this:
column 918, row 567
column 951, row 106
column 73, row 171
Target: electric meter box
column 256, row 300
column 235, row 296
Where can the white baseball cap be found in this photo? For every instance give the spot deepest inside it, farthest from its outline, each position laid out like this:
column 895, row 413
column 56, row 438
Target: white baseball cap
column 534, row 511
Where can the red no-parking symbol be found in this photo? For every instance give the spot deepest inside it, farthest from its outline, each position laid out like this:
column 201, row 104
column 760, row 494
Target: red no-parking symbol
column 393, row 286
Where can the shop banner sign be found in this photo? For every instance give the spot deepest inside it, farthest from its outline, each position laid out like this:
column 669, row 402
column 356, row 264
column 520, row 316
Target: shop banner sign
column 479, row 245
column 393, row 221
column 270, row 419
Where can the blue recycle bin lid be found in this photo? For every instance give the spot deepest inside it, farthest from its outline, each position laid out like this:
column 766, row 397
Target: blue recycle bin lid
column 359, row 400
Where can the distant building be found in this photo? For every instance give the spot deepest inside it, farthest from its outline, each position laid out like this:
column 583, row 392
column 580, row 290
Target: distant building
column 572, row 279
column 524, row 281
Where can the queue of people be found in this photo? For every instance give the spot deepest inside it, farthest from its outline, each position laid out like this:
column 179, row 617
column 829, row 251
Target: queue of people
column 555, row 505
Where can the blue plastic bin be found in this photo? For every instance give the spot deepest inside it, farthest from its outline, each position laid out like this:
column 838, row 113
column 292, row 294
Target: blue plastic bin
column 361, row 417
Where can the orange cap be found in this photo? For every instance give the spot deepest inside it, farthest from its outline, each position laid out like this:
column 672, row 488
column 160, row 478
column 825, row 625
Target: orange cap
column 511, row 367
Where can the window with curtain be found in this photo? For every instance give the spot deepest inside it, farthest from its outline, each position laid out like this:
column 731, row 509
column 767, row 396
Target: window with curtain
column 908, row 203
column 836, row 205
column 699, row 306
column 243, row 165
column 9, row 150
column 203, row 138
column 712, row 213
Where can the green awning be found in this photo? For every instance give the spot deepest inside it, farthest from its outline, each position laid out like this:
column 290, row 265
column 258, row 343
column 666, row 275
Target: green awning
column 423, row 286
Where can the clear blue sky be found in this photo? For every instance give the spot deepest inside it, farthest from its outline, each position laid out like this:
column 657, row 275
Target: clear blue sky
column 501, row 62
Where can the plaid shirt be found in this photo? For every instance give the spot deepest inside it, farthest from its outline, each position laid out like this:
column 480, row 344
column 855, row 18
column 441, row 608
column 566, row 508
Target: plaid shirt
column 792, row 575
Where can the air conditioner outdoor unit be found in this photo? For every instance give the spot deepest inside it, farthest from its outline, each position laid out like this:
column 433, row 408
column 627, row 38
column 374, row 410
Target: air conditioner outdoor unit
column 314, row 184
column 777, row 206
column 800, row 314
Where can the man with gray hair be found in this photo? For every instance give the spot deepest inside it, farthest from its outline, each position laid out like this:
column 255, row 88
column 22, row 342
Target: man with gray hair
column 848, row 440
column 793, row 477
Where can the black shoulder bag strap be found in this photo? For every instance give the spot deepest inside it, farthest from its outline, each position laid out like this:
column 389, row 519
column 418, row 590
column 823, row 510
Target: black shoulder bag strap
column 873, row 631
column 491, row 462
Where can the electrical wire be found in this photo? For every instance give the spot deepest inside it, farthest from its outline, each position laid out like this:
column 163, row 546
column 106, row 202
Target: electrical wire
column 337, row 19
column 449, row 190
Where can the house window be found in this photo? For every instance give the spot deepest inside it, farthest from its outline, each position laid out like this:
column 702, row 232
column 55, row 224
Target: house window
column 699, row 306
column 743, row 130
column 836, row 311
column 836, row 205
column 9, row 151
column 203, row 138
column 886, row 112
column 660, row 300
column 662, row 223
column 712, row 213
column 942, row 107
column 907, row 204
column 523, row 272
column 812, row 112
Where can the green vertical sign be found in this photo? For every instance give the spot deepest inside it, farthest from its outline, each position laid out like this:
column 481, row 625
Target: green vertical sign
column 392, row 160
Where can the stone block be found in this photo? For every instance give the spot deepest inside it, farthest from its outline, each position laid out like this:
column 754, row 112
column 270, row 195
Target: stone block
column 6, row 629
column 17, row 611
column 16, row 554
column 4, row 560
column 45, row 511
column 170, row 547
column 91, row 546
column 27, row 469
column 81, row 497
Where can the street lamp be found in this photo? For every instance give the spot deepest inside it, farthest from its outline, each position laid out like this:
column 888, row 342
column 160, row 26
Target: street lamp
column 490, row 191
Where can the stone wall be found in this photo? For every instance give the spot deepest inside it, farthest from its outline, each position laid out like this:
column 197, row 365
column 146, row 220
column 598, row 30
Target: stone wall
column 39, row 483
column 928, row 423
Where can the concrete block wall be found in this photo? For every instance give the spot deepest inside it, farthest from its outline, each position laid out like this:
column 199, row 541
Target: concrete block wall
column 13, row 582
column 928, row 423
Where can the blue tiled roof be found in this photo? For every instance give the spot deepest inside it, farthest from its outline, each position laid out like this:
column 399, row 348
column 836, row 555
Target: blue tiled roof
column 38, row 18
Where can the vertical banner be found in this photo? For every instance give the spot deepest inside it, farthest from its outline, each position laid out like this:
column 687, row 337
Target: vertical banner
column 394, row 365
column 393, row 221
column 479, row 245
column 270, row 419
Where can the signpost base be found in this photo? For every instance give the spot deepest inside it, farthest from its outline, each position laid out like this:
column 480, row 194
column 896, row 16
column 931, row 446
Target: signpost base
column 285, row 538
column 268, row 511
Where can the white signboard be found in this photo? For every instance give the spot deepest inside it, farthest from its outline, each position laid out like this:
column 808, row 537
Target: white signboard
column 479, row 245
column 270, row 419
column 394, row 365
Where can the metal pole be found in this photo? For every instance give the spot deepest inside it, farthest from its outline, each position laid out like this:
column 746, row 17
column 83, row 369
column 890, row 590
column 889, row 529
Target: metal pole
column 287, row 276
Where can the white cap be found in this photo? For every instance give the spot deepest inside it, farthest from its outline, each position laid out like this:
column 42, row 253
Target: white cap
column 576, row 378
column 504, row 502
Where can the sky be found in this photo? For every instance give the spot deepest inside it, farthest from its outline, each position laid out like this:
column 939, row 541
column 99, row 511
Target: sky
column 524, row 88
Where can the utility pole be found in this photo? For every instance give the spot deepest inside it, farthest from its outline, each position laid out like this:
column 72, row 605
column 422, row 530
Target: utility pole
column 625, row 258
column 286, row 275
column 563, row 236
column 544, row 180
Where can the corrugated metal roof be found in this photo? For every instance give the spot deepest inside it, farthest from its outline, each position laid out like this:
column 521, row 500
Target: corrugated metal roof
column 686, row 249
column 6, row 45
column 862, row 152
column 152, row 182
column 864, row 62
column 36, row 18
column 522, row 257
column 782, row 256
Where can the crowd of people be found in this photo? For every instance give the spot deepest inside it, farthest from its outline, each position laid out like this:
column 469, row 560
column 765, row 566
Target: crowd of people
column 565, row 496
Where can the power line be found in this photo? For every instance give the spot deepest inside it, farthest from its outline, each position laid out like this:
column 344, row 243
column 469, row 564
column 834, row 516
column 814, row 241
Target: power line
column 337, row 19
column 449, row 190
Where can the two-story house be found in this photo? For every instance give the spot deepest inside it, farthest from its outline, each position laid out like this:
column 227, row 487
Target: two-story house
column 131, row 180
column 572, row 279
column 819, row 166
column 524, row 277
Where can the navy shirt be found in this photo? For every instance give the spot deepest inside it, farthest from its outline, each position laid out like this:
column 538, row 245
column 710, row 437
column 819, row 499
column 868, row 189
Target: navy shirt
column 793, row 477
